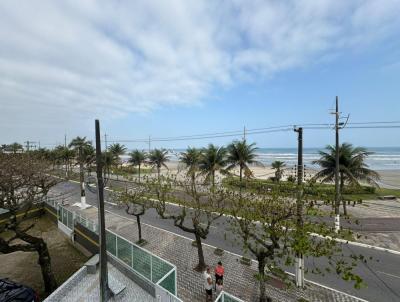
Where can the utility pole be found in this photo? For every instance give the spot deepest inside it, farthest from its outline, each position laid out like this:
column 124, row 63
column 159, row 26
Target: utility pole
column 244, row 133
column 66, row 163
column 337, row 158
column 299, row 261
column 149, row 143
column 105, row 141
column 104, row 290
column 30, row 144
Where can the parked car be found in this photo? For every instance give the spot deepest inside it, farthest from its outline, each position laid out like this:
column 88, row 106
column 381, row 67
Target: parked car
column 14, row 292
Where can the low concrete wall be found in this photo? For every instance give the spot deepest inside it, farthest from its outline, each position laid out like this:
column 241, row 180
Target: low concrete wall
column 64, row 288
column 89, row 241
column 51, row 211
column 139, row 280
column 35, row 211
column 86, row 238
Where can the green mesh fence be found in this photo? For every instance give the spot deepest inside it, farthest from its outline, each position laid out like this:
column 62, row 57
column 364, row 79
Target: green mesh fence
column 60, row 214
column 124, row 251
column 141, row 262
column 160, row 268
column 111, row 240
column 169, row 283
column 64, row 217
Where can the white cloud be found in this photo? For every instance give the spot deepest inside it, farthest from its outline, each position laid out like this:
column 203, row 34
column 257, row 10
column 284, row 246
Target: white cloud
column 68, row 60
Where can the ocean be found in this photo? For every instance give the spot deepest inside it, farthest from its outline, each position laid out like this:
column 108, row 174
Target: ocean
column 383, row 158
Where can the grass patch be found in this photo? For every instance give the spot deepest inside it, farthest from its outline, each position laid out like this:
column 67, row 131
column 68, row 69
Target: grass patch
column 351, row 193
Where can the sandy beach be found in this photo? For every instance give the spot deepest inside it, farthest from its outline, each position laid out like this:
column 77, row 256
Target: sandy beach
column 389, row 178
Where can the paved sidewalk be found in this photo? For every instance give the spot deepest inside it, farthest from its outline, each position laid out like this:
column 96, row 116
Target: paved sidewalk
column 239, row 279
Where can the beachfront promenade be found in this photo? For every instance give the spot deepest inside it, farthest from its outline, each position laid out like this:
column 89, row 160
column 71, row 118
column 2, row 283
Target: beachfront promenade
column 378, row 275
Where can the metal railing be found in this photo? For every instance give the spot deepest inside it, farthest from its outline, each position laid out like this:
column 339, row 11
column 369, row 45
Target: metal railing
column 147, row 265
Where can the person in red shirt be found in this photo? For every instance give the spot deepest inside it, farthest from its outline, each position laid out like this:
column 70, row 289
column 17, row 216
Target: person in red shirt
column 219, row 273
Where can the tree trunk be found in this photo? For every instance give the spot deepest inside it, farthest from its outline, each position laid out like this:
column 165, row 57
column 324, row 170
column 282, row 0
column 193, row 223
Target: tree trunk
column 139, row 227
column 261, row 272
column 158, row 174
column 44, row 261
column 341, row 193
column 213, row 178
column 202, row 264
column 139, row 173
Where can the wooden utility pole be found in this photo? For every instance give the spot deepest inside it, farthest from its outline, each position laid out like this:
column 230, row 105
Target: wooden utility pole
column 104, row 290
column 299, row 261
column 337, row 158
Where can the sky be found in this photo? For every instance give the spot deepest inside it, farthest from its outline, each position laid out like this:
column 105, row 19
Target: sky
column 173, row 68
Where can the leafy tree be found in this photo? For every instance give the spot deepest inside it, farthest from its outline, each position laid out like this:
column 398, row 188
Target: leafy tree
column 158, row 158
column 24, row 182
column 242, row 154
column 135, row 203
column 278, row 167
column 137, row 158
column 212, row 160
column 352, row 167
column 197, row 208
column 191, row 159
column 266, row 226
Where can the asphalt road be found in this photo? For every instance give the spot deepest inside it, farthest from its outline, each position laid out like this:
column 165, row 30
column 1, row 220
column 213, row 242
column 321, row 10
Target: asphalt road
column 381, row 274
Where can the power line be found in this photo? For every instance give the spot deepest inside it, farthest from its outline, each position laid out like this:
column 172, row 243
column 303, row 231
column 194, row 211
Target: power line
column 254, row 131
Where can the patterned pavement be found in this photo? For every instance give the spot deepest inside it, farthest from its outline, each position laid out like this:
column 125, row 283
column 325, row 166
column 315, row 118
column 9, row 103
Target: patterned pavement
column 239, row 279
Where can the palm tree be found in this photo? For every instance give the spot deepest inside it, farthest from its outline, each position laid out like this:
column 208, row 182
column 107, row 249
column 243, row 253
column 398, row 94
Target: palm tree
column 157, row 158
column 108, row 161
column 241, row 154
column 212, row 160
column 64, row 155
column 117, row 150
column 16, row 147
column 84, row 149
column 191, row 159
column 278, row 167
column 352, row 167
column 89, row 157
column 137, row 158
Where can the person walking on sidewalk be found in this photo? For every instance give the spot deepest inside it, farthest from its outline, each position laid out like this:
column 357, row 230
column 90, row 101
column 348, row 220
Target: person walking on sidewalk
column 208, row 284
column 219, row 273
